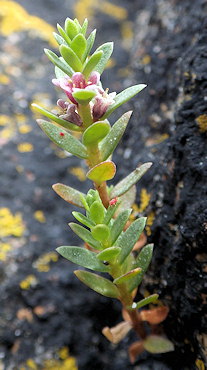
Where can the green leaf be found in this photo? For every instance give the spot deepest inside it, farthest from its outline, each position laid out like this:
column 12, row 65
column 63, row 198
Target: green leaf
column 60, row 40
column 58, row 62
column 84, row 27
column 102, row 172
column 107, row 49
column 63, row 139
column 123, row 97
column 59, row 73
column 111, row 141
column 64, row 35
column 83, row 219
column 143, row 260
column 111, row 210
column 77, row 24
column 78, row 45
column 71, row 28
column 91, row 63
column 126, row 277
column 71, row 58
column 100, row 232
column 109, row 254
column 90, row 42
column 98, row 284
column 97, row 212
column 84, row 96
column 82, row 257
column 157, row 344
column 69, row 194
column 124, row 185
column 62, row 122
column 128, row 239
column 151, row 299
column 85, row 235
column 127, row 200
column 95, row 133
column 119, row 224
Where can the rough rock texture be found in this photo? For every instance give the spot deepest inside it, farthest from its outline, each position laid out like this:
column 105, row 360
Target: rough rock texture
column 169, row 128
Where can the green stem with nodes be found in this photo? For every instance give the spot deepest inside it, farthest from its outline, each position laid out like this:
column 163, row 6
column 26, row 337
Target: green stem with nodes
column 84, row 112
column 94, row 159
column 126, row 299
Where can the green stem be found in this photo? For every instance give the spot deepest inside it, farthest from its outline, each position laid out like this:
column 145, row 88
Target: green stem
column 85, row 114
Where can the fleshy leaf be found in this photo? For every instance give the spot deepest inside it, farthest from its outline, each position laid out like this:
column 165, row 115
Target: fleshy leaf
column 119, row 224
column 98, row 284
column 64, row 35
column 82, row 257
column 53, row 117
column 60, row 40
column 100, row 232
column 128, row 276
column 71, row 28
column 63, row 139
column 135, row 349
column 124, row 185
column 130, row 237
column 151, row 299
column 58, row 62
column 91, row 63
column 127, row 200
column 123, row 97
column 154, row 316
column 143, row 260
column 84, row 26
column 111, row 141
column 84, row 96
column 157, row 344
column 111, row 210
column 85, row 235
column 69, row 194
column 71, row 58
column 97, row 212
column 107, row 49
column 90, row 42
column 78, row 45
column 59, row 73
column 109, row 254
column 102, row 172
column 95, row 133
column 83, row 219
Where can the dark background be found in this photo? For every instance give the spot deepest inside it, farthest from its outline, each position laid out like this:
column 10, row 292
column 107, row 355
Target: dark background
column 47, row 316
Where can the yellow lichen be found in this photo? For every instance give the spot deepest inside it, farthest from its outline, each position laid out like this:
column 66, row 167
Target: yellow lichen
column 200, row 364
column 28, row 282
column 31, row 364
column 146, row 59
column 150, row 220
column 111, row 63
column 14, row 18
column 10, row 225
column 4, row 119
column 202, row 122
column 20, row 118
column 127, row 34
column 4, row 249
column 78, row 172
column 25, row 147
column 42, row 264
column 144, row 200
column 68, row 364
column 39, row 216
column 63, row 353
column 25, row 129
column 113, row 10
column 4, row 79
column 87, row 8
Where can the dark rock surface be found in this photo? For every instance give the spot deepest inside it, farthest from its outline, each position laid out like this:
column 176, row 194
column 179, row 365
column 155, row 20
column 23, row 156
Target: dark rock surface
column 168, row 128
